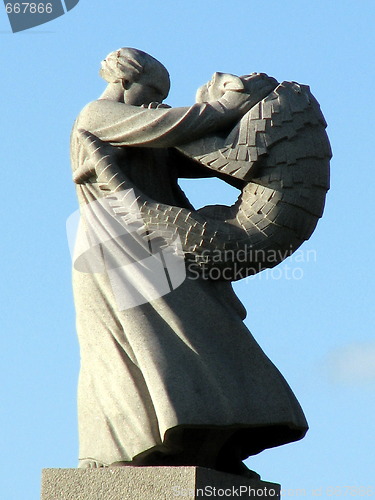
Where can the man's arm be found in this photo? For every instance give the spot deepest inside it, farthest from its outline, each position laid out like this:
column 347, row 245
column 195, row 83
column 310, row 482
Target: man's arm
column 125, row 125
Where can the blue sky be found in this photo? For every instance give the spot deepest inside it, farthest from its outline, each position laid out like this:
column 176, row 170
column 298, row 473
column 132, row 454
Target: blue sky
column 318, row 328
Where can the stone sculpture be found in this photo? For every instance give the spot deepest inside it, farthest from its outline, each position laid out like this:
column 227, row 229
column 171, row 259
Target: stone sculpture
column 177, row 378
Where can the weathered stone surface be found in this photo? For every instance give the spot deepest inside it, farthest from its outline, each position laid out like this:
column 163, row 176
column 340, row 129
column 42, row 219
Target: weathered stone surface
column 150, row 483
column 170, row 375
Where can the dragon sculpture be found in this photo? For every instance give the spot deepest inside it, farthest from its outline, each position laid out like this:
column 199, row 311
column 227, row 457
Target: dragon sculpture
column 278, row 155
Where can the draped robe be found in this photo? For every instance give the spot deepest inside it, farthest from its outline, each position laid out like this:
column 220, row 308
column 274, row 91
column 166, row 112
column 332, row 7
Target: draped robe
column 181, row 361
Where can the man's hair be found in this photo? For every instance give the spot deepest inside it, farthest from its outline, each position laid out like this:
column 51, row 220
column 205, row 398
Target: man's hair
column 129, row 64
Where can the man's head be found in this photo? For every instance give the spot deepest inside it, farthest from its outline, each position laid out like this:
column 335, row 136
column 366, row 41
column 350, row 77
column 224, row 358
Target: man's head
column 220, row 83
column 143, row 78
column 217, row 86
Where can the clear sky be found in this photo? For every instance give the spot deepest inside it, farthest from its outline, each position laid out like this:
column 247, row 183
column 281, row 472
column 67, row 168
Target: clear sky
column 317, row 325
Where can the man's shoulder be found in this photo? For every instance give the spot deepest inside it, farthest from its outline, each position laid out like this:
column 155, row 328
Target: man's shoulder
column 100, row 112
column 103, row 105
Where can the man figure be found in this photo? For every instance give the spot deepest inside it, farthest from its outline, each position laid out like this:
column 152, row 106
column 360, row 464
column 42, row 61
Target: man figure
column 178, row 380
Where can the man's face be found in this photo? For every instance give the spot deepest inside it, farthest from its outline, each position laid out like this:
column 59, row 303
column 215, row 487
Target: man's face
column 256, row 84
column 145, row 91
column 215, row 88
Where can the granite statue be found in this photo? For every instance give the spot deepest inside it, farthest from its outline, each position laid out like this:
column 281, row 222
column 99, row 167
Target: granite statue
column 176, row 378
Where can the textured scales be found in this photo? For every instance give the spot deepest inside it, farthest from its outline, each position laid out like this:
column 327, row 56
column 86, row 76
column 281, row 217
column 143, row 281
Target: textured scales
column 281, row 152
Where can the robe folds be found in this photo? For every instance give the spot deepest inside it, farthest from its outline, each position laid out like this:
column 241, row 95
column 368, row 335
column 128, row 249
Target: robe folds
column 184, row 360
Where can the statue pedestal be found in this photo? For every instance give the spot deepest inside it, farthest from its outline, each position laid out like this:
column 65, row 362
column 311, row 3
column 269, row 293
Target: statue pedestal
column 151, row 483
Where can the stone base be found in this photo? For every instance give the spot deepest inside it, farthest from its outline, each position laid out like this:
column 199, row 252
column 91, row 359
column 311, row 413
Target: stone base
column 151, row 483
